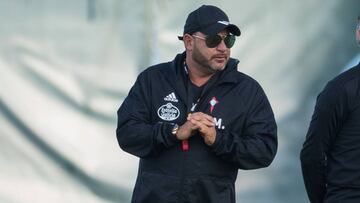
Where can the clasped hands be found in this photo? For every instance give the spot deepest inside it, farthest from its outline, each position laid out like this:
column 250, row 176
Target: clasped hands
column 201, row 122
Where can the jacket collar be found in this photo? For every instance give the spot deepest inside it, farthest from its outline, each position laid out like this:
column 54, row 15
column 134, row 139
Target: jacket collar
column 225, row 76
column 178, row 77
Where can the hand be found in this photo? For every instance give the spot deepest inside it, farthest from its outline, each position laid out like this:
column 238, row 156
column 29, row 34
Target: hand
column 206, row 126
column 186, row 131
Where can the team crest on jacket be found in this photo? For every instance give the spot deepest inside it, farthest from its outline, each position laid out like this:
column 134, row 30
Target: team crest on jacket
column 213, row 102
column 168, row 112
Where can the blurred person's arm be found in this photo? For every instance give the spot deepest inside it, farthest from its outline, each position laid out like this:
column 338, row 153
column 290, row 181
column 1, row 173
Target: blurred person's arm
column 327, row 119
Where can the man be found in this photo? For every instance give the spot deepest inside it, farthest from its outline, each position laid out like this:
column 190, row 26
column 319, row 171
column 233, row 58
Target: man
column 330, row 157
column 196, row 120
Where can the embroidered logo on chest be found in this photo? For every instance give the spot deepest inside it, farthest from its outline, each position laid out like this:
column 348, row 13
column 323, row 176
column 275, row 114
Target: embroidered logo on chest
column 212, row 103
column 171, row 97
column 168, row 112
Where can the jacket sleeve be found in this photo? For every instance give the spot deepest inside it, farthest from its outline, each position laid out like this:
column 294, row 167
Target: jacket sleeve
column 136, row 134
column 255, row 145
column 330, row 110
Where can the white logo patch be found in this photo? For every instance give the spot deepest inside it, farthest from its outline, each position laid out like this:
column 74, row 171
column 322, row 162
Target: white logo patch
column 171, row 97
column 168, row 112
column 224, row 22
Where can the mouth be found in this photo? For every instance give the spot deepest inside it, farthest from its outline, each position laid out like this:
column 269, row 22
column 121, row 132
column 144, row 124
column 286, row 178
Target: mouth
column 220, row 58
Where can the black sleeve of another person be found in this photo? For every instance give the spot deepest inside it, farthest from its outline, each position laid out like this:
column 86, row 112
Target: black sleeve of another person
column 330, row 110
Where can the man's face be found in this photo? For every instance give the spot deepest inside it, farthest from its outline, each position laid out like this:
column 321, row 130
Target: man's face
column 211, row 59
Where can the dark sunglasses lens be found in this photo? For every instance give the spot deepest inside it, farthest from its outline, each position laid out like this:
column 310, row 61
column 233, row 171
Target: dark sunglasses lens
column 213, row 41
column 229, row 41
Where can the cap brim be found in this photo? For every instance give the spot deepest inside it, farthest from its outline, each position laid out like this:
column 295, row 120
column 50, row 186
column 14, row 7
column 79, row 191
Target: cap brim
column 218, row 27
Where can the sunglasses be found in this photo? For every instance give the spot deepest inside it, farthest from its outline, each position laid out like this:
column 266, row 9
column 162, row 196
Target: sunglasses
column 214, row 40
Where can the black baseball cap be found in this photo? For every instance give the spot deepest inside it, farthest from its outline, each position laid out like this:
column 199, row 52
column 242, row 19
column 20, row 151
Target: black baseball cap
column 209, row 20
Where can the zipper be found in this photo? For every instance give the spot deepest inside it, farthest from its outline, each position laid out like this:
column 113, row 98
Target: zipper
column 185, row 146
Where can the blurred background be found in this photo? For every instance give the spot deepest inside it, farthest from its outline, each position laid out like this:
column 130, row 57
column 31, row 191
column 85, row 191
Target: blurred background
column 66, row 66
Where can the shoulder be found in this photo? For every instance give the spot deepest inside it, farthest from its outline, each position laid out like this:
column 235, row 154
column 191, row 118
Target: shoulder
column 155, row 71
column 248, row 91
column 346, row 77
column 242, row 77
column 341, row 89
column 160, row 68
column 247, row 84
column 342, row 82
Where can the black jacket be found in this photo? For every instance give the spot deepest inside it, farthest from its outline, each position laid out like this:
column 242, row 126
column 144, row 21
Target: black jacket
column 330, row 156
column 246, row 134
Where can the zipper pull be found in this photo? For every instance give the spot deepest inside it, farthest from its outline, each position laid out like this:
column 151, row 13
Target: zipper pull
column 185, row 145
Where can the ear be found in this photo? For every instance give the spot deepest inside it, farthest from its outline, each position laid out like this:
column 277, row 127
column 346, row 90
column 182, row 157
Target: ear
column 188, row 42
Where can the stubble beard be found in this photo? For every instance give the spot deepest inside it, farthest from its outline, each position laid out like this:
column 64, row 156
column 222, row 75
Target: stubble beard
column 199, row 58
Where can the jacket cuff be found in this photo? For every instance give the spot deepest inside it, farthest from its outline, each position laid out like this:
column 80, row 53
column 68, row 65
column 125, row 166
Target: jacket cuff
column 167, row 138
column 218, row 141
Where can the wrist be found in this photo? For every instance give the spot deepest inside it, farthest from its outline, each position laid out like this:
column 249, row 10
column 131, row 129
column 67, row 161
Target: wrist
column 174, row 130
column 210, row 138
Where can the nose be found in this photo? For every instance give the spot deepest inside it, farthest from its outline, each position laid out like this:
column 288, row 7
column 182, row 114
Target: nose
column 221, row 47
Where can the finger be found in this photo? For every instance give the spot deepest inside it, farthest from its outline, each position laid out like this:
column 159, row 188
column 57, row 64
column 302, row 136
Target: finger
column 190, row 125
column 209, row 118
column 194, row 116
column 200, row 126
column 201, row 115
column 207, row 123
column 195, row 127
column 204, row 120
column 194, row 122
